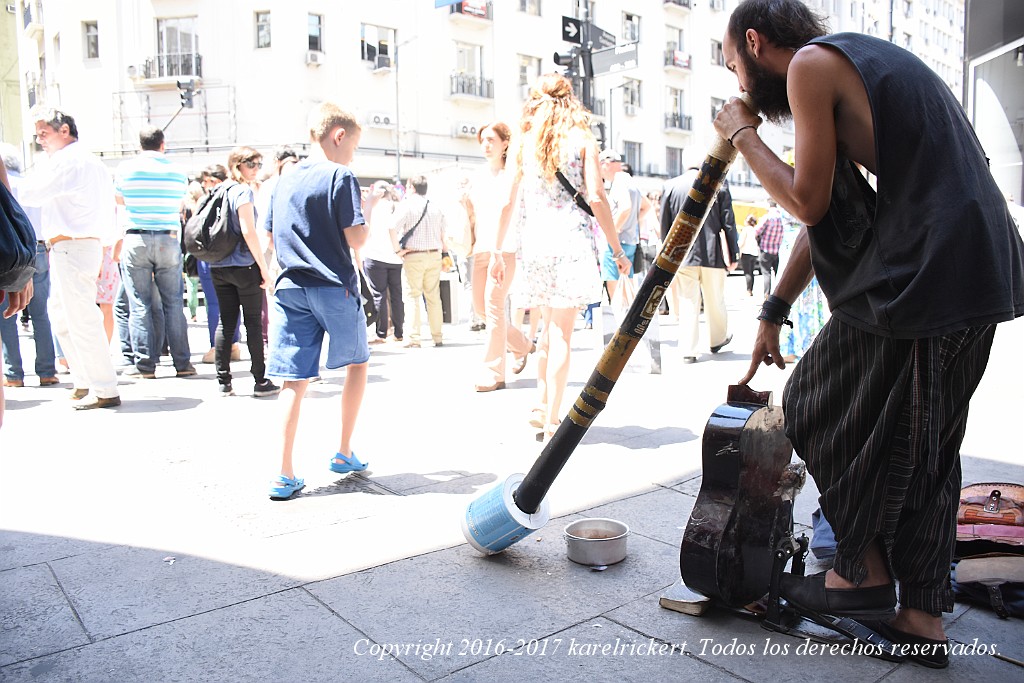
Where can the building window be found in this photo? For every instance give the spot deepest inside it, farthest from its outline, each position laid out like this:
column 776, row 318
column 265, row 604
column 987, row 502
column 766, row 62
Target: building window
column 530, row 7
column 316, row 32
column 676, row 100
column 529, row 69
column 262, row 30
column 56, row 50
column 631, row 154
column 716, row 53
column 716, row 106
column 375, row 44
column 631, row 93
column 674, row 161
column 177, row 47
column 674, row 38
column 468, row 59
column 91, row 39
column 630, row 27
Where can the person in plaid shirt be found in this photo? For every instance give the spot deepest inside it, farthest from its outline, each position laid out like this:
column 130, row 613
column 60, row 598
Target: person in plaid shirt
column 769, row 238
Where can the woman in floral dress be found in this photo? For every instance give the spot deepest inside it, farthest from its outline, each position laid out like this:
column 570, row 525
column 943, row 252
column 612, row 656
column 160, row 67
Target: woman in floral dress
column 556, row 246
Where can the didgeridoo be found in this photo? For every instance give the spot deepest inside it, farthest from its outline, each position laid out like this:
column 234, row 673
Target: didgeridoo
column 592, row 400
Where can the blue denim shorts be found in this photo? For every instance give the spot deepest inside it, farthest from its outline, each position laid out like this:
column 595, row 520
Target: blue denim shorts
column 609, row 271
column 298, row 321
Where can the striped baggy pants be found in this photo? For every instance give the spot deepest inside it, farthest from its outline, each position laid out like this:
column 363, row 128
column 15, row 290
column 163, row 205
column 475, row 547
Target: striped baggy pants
column 879, row 422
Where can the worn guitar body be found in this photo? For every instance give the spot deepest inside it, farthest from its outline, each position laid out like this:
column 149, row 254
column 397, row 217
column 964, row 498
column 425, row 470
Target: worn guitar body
column 726, row 553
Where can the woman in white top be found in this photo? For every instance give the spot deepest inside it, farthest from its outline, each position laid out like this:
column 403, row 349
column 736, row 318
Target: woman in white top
column 383, row 268
column 487, row 196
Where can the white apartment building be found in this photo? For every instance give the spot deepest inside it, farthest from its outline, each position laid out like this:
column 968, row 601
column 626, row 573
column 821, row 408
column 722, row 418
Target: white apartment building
column 421, row 79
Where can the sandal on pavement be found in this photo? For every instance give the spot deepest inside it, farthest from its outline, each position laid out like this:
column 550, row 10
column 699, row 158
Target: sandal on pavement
column 347, row 464
column 520, row 363
column 537, row 418
column 283, row 488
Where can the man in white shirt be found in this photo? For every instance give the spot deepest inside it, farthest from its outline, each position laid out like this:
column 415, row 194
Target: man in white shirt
column 76, row 194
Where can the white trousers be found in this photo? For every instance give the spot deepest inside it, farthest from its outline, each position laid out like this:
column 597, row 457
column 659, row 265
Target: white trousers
column 693, row 280
column 77, row 321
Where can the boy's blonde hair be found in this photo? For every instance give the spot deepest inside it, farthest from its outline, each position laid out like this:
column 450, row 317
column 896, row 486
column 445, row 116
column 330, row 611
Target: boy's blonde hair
column 326, row 117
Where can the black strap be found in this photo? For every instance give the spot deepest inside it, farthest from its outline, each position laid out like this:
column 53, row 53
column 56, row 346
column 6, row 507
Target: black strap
column 405, row 238
column 576, row 196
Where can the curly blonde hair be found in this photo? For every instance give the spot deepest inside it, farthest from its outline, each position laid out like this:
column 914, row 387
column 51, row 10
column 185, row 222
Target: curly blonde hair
column 550, row 112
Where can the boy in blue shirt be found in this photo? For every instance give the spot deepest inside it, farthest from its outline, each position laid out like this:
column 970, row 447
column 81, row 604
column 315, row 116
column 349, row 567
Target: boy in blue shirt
column 316, row 219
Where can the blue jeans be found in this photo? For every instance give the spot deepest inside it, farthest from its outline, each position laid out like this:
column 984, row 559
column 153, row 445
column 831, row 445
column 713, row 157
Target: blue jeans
column 41, row 332
column 122, row 314
column 155, row 260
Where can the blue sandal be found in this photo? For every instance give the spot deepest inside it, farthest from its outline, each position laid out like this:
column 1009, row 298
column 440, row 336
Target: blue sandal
column 347, row 464
column 283, row 488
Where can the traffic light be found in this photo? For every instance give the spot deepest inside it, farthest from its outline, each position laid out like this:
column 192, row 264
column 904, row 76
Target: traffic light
column 188, row 91
column 568, row 60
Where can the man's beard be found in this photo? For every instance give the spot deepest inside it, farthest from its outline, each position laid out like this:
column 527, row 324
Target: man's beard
column 767, row 89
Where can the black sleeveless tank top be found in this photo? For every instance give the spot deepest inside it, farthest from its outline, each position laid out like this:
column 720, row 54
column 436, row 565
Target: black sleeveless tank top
column 935, row 249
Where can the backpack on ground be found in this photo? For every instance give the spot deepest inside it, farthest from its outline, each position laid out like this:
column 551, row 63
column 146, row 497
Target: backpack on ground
column 989, row 557
column 208, row 235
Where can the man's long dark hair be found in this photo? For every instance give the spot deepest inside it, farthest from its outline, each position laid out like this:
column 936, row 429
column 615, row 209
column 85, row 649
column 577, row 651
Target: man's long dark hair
column 785, row 23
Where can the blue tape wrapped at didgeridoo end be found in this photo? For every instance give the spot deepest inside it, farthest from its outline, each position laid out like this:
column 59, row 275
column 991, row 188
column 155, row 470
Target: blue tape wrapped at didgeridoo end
column 493, row 522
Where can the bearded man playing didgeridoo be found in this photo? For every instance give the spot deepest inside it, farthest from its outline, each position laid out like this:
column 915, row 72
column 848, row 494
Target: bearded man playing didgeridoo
column 917, row 275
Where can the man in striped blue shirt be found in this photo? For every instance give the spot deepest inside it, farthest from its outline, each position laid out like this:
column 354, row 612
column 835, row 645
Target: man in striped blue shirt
column 151, row 189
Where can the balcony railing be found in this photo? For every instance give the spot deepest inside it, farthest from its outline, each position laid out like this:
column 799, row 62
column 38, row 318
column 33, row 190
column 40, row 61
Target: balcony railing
column 678, row 59
column 599, row 107
column 688, row 4
column 479, row 9
column 679, row 121
column 173, row 65
column 466, row 84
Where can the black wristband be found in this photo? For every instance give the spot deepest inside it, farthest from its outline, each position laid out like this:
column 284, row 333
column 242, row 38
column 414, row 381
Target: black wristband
column 775, row 310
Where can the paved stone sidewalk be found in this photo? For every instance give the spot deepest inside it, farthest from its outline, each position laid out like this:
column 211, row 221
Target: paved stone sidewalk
column 138, row 543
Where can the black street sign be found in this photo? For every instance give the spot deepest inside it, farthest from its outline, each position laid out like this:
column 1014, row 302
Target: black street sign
column 614, row 59
column 572, row 31
column 600, row 38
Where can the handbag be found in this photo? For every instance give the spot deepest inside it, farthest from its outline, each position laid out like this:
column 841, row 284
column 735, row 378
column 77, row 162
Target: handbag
column 369, row 308
column 17, row 245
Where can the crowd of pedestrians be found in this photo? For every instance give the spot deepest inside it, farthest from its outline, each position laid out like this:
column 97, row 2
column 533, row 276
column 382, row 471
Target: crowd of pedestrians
column 549, row 228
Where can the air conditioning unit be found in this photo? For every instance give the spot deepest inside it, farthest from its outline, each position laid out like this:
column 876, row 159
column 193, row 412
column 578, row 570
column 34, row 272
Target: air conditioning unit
column 630, row 109
column 379, row 119
column 314, row 57
column 11, row 9
column 718, row 5
column 382, row 63
column 465, row 130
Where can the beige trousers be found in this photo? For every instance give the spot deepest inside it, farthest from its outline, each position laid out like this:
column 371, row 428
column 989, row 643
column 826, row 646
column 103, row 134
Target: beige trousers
column 694, row 280
column 490, row 297
column 421, row 279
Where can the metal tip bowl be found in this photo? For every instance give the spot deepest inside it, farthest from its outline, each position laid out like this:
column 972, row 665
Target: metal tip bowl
column 596, row 541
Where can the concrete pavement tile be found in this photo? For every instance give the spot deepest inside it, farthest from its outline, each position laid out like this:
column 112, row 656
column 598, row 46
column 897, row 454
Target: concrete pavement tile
column 21, row 549
column 661, row 514
column 35, row 617
column 123, row 589
column 979, row 622
column 977, row 469
column 287, row 636
column 598, row 650
column 748, row 658
column 455, row 595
